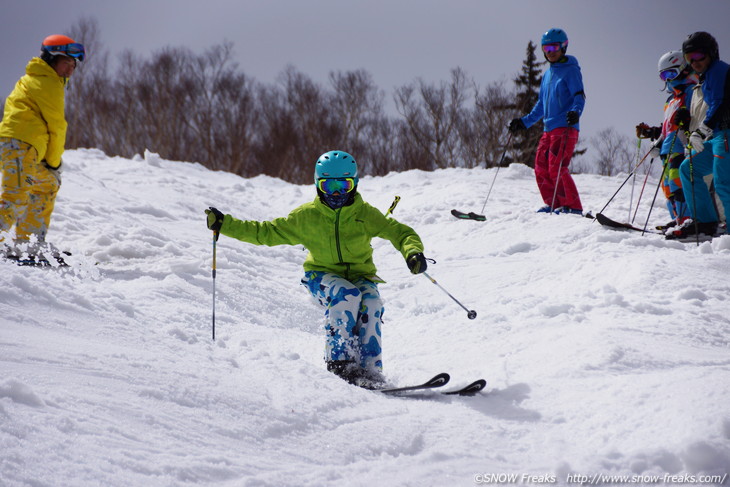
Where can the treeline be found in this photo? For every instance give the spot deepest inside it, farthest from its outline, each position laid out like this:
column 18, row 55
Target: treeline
column 202, row 108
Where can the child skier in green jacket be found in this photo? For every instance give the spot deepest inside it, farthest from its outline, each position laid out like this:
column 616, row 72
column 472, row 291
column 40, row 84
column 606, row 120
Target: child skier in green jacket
column 337, row 227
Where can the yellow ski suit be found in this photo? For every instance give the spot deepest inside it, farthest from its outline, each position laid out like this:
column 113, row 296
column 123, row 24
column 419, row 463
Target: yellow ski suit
column 32, row 134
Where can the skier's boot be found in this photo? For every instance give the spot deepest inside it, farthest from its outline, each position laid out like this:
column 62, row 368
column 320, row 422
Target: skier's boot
column 347, row 370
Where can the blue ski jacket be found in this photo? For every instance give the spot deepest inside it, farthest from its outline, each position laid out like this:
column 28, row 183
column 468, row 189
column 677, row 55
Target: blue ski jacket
column 561, row 91
column 716, row 91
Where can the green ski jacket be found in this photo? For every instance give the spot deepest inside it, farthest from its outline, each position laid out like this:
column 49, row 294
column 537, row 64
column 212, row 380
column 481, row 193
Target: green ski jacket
column 338, row 240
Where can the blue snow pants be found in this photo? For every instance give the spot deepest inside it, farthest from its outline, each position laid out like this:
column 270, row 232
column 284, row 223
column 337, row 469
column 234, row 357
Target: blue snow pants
column 672, row 186
column 353, row 317
column 715, row 160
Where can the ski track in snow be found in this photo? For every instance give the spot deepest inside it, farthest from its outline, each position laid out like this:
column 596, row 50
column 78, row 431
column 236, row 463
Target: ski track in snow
column 605, row 351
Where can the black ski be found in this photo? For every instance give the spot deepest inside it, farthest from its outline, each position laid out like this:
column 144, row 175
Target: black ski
column 468, row 216
column 439, row 380
column 607, row 222
column 469, row 390
column 604, row 220
column 37, row 261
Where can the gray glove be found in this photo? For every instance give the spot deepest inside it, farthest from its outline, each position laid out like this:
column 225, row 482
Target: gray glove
column 55, row 171
column 698, row 137
column 656, row 148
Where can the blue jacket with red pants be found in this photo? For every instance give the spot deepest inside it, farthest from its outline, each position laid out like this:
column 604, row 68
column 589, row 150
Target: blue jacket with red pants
column 561, row 91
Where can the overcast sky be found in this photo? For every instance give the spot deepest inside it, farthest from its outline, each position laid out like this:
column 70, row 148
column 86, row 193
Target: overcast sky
column 617, row 42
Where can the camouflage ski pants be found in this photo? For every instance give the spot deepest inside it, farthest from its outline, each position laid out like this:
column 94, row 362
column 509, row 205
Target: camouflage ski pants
column 353, row 317
column 28, row 191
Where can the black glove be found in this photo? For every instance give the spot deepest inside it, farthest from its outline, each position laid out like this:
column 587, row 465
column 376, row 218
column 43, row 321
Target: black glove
column 643, row 131
column 215, row 219
column 682, row 118
column 516, row 125
column 678, row 195
column 572, row 117
column 417, row 263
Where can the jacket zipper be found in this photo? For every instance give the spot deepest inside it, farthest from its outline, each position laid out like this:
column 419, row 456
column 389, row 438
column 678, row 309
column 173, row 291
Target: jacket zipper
column 337, row 242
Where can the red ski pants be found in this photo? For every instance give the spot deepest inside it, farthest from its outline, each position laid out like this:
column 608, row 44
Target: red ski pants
column 552, row 163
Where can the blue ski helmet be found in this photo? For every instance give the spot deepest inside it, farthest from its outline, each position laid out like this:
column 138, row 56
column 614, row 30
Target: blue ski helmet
column 335, row 164
column 555, row 36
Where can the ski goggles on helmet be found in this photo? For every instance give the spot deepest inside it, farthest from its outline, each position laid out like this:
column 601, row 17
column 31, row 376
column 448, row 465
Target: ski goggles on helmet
column 669, row 74
column 695, row 56
column 336, row 185
column 74, row 50
column 552, row 47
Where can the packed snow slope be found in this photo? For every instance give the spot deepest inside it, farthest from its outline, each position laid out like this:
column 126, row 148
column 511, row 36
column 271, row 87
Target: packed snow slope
column 606, row 352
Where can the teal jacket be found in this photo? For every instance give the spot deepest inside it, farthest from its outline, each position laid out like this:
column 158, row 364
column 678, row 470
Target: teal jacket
column 338, row 240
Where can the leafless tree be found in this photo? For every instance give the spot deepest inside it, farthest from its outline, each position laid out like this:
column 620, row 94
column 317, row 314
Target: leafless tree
column 85, row 99
column 613, row 152
column 432, row 114
column 483, row 129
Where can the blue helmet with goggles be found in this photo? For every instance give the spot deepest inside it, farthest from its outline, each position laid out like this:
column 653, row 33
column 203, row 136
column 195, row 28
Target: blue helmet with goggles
column 335, row 175
column 556, row 36
column 335, row 164
column 60, row 45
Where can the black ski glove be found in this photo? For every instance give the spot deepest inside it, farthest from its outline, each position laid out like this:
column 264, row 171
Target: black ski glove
column 417, row 263
column 215, row 219
column 516, row 125
column 643, row 131
column 682, row 118
column 572, row 117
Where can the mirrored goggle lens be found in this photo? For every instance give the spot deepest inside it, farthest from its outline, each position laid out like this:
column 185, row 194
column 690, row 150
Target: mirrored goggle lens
column 669, row 74
column 332, row 186
column 694, row 56
column 551, row 47
column 73, row 50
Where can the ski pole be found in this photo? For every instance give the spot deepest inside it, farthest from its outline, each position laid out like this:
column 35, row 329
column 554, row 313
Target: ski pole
column 661, row 178
column 625, row 181
column 631, row 198
column 560, row 169
column 669, row 155
column 501, row 160
column 667, row 161
column 215, row 239
column 692, row 183
column 471, row 314
column 395, row 202
column 641, row 193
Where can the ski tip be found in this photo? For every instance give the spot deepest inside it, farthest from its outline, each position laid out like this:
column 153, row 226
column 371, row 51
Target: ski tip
column 439, row 380
column 468, row 216
column 470, row 390
column 474, row 387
